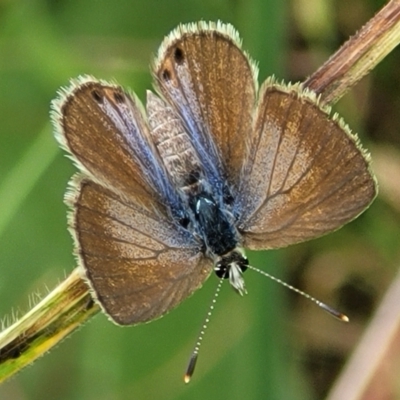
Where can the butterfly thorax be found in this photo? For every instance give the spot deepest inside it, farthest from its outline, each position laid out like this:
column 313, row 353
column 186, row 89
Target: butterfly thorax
column 217, row 232
column 220, row 238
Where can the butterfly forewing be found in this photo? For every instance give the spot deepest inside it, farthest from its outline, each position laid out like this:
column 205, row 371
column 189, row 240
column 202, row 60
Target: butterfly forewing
column 211, row 82
column 105, row 131
column 138, row 263
column 306, row 174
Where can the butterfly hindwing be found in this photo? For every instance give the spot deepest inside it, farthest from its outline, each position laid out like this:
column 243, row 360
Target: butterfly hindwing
column 139, row 264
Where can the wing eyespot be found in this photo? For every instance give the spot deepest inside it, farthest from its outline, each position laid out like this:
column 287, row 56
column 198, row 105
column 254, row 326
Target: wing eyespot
column 97, row 96
column 184, row 222
column 119, row 97
column 166, row 75
column 179, row 56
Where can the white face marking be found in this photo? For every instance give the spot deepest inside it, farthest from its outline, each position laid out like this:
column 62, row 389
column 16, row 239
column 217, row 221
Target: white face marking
column 236, row 279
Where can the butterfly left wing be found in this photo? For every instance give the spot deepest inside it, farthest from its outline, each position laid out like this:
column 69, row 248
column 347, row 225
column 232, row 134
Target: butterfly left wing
column 306, row 174
column 203, row 73
column 139, row 264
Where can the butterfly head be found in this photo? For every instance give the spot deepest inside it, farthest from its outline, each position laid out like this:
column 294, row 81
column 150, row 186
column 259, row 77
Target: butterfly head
column 231, row 266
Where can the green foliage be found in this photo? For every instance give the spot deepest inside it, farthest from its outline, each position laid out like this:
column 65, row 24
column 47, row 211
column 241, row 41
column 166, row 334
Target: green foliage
column 246, row 353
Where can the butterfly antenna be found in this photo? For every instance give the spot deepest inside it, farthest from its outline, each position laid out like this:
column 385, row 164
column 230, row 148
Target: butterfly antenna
column 195, row 354
column 328, row 309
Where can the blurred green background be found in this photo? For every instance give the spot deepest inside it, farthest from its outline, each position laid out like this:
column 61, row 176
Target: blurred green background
column 269, row 344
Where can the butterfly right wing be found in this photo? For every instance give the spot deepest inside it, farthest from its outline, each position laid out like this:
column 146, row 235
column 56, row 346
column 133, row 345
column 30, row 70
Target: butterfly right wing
column 305, row 175
column 138, row 263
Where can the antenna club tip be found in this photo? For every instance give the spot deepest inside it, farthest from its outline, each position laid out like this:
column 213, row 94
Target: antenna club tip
column 344, row 318
column 190, row 368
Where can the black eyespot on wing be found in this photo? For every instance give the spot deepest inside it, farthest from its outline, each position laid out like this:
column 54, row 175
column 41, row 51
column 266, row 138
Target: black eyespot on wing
column 97, row 96
column 166, row 74
column 184, row 222
column 119, row 97
column 179, row 56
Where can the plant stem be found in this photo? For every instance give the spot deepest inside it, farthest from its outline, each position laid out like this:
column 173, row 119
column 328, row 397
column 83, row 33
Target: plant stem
column 52, row 319
column 358, row 56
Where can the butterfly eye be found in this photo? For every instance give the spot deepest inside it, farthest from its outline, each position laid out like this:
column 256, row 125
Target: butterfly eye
column 119, row 97
column 97, row 96
column 178, row 55
column 221, row 270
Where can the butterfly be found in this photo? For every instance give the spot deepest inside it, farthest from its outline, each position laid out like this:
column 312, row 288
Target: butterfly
column 170, row 192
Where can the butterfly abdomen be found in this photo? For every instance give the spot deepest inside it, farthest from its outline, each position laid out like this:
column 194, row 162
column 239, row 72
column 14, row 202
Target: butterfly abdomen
column 174, row 146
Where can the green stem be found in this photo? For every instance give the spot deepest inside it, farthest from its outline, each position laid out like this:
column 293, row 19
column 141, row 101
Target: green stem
column 52, row 319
